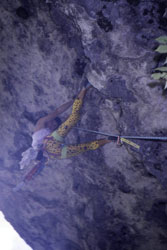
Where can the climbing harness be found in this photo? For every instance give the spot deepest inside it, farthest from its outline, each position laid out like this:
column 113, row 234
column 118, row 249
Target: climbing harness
column 57, row 137
column 64, row 152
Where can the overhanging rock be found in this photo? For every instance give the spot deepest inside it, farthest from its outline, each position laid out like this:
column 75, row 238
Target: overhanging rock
column 112, row 198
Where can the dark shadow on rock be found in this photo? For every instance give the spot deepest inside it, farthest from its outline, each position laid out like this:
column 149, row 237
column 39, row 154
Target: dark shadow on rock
column 133, row 2
column 22, row 13
column 103, row 22
column 38, row 90
column 79, row 66
column 162, row 18
column 158, row 214
column 44, row 201
column 71, row 35
column 118, row 237
column 29, row 116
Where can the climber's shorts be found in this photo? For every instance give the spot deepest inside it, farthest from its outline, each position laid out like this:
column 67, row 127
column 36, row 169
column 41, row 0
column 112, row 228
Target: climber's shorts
column 54, row 143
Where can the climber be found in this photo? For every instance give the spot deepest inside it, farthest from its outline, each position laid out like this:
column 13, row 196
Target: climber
column 49, row 134
column 54, row 143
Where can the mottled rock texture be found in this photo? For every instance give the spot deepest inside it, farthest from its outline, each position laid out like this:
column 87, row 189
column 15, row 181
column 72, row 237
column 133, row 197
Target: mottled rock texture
column 110, row 199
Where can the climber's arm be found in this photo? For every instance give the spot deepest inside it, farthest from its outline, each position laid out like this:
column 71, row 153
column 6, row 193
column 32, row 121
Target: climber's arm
column 42, row 121
column 57, row 112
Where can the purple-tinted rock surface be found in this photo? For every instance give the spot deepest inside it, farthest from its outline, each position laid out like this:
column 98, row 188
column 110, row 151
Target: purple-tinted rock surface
column 112, row 198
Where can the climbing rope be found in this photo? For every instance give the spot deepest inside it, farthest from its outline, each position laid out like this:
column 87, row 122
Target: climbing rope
column 148, row 138
column 122, row 138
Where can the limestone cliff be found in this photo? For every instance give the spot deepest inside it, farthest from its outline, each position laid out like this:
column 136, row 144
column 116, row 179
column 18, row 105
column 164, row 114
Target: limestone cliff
column 112, row 198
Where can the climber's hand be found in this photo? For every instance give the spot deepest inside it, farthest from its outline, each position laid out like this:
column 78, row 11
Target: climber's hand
column 86, row 84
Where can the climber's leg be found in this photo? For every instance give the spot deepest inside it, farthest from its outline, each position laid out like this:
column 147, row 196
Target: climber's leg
column 65, row 127
column 73, row 150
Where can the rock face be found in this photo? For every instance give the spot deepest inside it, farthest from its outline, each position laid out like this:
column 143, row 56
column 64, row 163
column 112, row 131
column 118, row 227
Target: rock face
column 111, row 198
